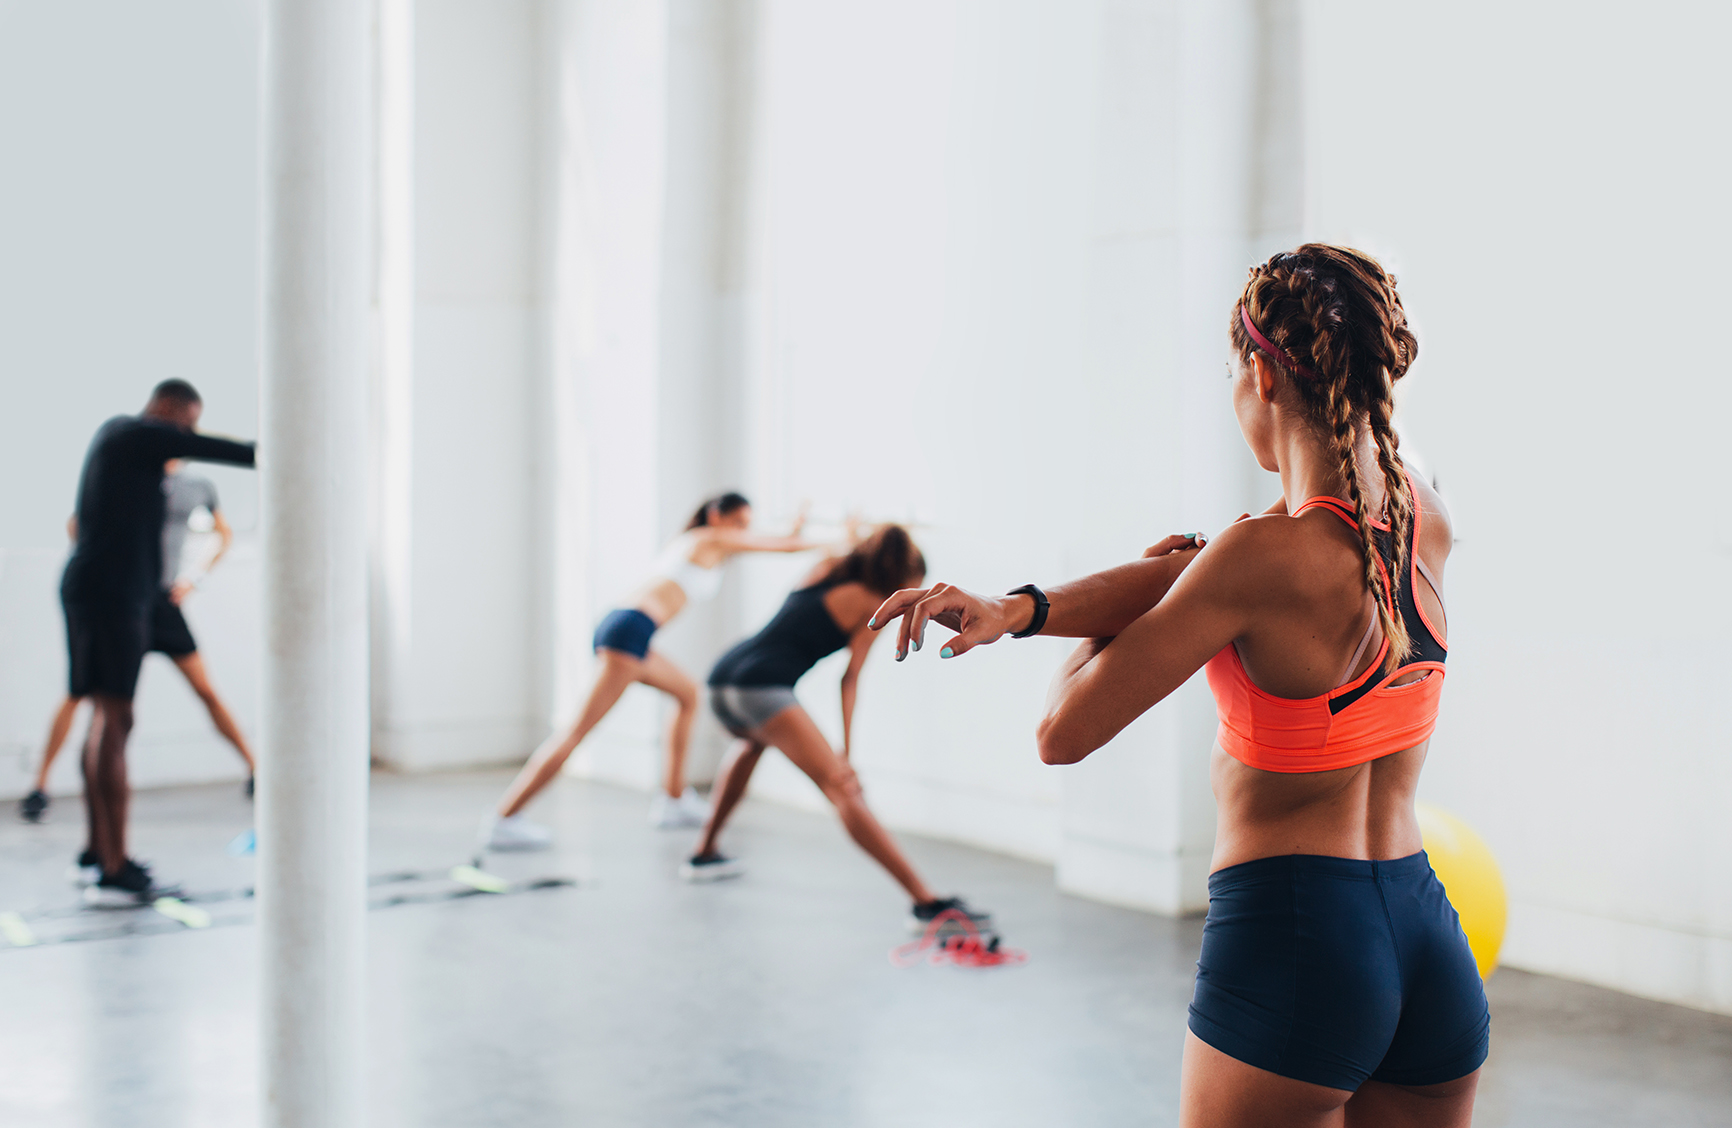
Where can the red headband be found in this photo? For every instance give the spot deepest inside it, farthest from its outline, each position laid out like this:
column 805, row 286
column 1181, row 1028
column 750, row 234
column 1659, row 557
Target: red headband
column 1270, row 347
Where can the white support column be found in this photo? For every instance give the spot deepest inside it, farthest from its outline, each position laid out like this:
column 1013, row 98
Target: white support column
column 392, row 415
column 313, row 771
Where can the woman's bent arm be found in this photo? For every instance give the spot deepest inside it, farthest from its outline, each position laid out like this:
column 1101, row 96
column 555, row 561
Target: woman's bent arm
column 1109, row 682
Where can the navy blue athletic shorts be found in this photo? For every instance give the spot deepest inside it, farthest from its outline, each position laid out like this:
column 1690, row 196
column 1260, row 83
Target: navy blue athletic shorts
column 628, row 631
column 1334, row 970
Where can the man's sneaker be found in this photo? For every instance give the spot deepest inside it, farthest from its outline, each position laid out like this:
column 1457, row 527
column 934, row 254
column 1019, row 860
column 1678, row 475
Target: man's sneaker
column 33, row 805
column 710, row 867
column 133, row 885
column 922, row 916
column 668, row 813
column 513, row 832
column 85, row 871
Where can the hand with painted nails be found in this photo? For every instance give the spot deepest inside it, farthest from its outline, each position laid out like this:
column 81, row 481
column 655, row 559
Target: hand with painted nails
column 1178, row 542
column 1097, row 606
column 976, row 619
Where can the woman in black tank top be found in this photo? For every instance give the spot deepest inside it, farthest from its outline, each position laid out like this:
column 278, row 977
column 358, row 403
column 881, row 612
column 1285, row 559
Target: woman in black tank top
column 752, row 692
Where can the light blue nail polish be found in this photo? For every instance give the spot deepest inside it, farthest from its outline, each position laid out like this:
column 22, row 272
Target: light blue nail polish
column 871, row 624
column 900, row 655
column 947, row 653
column 917, row 644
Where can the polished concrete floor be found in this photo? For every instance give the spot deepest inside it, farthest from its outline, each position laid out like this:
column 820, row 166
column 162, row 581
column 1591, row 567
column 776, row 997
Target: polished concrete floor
column 630, row 999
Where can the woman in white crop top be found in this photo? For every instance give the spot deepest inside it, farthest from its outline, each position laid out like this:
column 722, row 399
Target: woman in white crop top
column 689, row 570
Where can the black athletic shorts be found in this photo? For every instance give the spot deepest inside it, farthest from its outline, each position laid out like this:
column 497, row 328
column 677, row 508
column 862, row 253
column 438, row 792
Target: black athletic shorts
column 1335, row 970
column 169, row 633
column 105, row 647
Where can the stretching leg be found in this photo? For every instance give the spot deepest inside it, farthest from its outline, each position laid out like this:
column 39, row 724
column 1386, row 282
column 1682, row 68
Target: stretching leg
column 192, row 667
column 57, row 730
column 659, row 672
column 618, row 670
column 800, row 739
column 105, row 786
column 729, row 790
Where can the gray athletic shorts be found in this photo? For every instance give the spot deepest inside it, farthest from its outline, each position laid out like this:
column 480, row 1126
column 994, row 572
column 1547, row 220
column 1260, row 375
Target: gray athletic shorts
column 744, row 708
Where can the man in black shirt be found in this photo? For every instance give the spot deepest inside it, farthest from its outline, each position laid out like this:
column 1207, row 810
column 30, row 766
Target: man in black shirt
column 113, row 575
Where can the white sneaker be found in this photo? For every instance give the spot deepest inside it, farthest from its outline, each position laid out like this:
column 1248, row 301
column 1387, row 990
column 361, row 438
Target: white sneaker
column 713, row 868
column 513, row 832
column 668, row 813
column 696, row 806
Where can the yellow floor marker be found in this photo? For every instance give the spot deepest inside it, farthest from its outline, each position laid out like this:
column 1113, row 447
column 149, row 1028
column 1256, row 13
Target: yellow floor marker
column 17, row 933
column 479, row 879
column 176, row 909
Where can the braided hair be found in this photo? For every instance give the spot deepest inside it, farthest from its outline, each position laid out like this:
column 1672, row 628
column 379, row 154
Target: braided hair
column 1336, row 311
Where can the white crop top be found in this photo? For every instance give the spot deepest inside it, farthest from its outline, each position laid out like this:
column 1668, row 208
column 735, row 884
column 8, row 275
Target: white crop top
column 699, row 583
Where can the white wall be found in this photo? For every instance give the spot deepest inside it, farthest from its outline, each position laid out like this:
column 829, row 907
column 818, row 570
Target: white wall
column 1548, row 195
column 128, row 235
column 466, row 668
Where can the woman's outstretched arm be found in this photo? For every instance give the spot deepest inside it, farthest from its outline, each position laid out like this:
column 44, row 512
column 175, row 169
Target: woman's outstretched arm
column 740, row 540
column 1096, row 606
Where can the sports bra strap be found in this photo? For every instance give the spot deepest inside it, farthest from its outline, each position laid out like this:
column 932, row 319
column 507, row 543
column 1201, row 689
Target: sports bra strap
column 1353, row 662
column 1334, row 504
column 1425, row 570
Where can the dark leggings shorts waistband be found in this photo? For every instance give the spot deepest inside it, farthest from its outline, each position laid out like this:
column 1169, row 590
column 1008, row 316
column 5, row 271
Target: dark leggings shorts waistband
column 1287, row 866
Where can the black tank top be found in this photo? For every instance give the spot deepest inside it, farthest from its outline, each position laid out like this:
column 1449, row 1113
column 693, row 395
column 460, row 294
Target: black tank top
column 791, row 643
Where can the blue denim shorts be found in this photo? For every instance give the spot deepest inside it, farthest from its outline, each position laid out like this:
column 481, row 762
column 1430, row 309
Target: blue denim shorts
column 628, row 631
column 1335, row 970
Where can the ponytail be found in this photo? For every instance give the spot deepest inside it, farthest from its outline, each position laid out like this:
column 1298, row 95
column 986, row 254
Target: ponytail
column 721, row 505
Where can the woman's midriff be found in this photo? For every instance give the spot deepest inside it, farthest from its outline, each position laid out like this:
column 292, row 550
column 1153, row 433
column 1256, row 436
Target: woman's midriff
column 1365, row 811
column 661, row 599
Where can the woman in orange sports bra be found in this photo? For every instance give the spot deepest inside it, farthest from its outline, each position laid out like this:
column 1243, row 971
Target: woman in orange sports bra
column 1335, row 986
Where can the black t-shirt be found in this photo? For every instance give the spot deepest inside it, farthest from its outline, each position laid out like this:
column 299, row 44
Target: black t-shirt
column 117, row 562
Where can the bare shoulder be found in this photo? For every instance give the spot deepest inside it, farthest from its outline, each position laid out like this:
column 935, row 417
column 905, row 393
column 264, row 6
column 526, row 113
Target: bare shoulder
column 1250, row 561
column 1437, row 534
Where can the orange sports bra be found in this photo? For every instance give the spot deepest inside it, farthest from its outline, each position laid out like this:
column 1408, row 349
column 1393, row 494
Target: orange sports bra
column 1360, row 720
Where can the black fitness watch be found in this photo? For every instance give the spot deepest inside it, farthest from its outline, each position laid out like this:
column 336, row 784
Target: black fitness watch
column 1041, row 607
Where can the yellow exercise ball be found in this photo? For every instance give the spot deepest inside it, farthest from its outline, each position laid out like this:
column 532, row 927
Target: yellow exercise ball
column 1470, row 876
